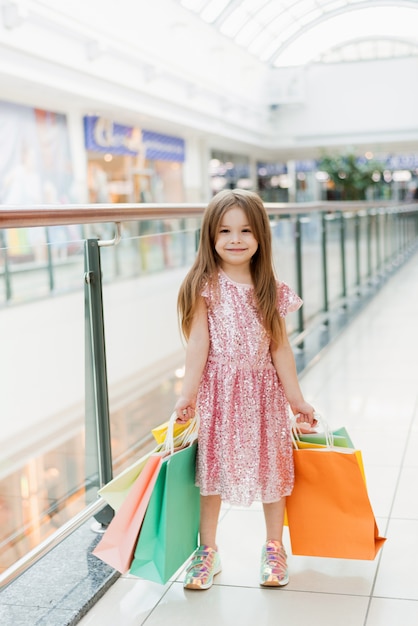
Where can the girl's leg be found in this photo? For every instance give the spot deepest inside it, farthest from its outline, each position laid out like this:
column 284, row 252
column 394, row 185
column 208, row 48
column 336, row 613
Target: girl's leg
column 209, row 514
column 274, row 518
column 205, row 563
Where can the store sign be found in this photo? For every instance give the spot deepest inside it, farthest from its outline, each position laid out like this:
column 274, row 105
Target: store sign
column 162, row 147
column 307, row 165
column 402, row 162
column 103, row 135
column 271, row 169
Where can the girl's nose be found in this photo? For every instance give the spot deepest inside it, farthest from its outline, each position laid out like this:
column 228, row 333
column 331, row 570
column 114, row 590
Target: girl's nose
column 235, row 237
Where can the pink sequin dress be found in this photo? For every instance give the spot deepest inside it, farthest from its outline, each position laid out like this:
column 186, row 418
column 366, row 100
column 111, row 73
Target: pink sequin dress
column 245, row 449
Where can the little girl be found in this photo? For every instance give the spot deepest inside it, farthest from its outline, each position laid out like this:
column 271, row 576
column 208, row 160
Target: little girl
column 240, row 376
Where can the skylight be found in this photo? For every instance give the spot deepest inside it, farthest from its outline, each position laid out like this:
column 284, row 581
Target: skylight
column 295, row 32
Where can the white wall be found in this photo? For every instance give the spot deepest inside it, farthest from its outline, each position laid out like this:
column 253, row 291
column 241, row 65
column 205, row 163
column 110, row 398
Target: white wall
column 365, row 102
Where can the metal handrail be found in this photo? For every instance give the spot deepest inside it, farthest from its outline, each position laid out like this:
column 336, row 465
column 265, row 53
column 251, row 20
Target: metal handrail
column 50, row 542
column 61, row 215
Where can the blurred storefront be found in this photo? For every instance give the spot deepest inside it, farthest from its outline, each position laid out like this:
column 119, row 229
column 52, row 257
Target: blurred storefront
column 35, row 168
column 229, row 171
column 129, row 164
column 273, row 181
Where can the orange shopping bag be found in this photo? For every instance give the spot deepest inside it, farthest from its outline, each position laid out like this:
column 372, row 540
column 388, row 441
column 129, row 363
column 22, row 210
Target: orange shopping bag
column 117, row 545
column 329, row 512
column 324, row 439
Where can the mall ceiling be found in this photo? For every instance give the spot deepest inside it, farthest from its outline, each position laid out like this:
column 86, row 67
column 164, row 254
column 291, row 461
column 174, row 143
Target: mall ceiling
column 212, row 66
column 295, row 32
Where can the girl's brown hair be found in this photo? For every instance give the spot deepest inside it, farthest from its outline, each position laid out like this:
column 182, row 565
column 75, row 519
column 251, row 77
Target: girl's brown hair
column 206, row 264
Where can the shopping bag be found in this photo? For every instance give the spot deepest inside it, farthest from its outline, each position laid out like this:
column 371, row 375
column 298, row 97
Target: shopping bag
column 329, row 512
column 339, row 438
column 116, row 490
column 170, row 529
column 160, row 432
column 117, row 546
column 325, row 438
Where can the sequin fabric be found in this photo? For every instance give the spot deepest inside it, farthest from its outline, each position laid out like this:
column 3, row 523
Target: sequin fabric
column 245, row 449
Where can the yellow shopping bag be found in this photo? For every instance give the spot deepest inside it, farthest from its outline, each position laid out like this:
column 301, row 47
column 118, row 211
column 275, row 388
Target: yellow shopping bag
column 160, row 432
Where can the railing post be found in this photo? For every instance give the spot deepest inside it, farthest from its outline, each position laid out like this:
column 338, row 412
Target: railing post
column 378, row 243
column 299, row 276
column 357, row 248
column 342, row 251
column 369, row 247
column 386, row 240
column 7, row 281
column 197, row 238
column 396, row 239
column 415, row 226
column 183, row 239
column 98, row 442
column 324, row 263
column 404, row 234
column 392, row 237
column 50, row 261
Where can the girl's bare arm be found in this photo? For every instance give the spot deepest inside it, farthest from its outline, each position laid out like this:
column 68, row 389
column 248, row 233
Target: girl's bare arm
column 196, row 357
column 284, row 362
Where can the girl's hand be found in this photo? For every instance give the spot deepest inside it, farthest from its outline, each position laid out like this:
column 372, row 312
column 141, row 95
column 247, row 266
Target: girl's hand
column 185, row 409
column 305, row 417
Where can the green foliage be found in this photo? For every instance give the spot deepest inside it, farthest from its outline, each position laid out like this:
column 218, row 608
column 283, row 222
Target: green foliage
column 350, row 175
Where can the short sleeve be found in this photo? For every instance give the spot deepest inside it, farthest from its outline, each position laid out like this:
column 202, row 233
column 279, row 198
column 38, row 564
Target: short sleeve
column 287, row 300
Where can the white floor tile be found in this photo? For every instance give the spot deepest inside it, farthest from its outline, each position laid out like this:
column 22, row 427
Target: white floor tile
column 227, row 606
column 128, row 602
column 390, row 612
column 333, row 576
column 397, row 574
column 406, row 501
column 381, row 487
column 411, row 455
column 380, row 446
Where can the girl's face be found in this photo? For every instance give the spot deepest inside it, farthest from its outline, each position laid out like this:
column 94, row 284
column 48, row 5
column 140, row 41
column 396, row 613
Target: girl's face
column 235, row 242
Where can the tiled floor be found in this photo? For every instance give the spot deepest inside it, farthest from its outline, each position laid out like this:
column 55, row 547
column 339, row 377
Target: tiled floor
column 366, row 381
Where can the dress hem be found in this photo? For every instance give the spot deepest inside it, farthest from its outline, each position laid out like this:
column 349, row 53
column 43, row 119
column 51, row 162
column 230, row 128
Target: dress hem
column 247, row 503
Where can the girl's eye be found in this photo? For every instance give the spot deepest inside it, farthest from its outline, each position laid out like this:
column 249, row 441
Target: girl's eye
column 246, row 230
column 224, row 230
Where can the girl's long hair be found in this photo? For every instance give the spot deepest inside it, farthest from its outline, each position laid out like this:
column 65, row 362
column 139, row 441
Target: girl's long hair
column 206, row 264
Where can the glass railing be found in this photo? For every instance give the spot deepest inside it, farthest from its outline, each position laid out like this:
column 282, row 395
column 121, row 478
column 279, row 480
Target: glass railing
column 38, row 262
column 90, row 353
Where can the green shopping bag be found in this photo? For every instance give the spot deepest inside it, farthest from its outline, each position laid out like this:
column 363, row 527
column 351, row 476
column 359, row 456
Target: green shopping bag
column 116, row 491
column 170, row 528
column 340, row 438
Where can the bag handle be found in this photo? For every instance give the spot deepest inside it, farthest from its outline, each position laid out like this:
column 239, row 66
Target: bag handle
column 184, row 439
column 296, row 430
